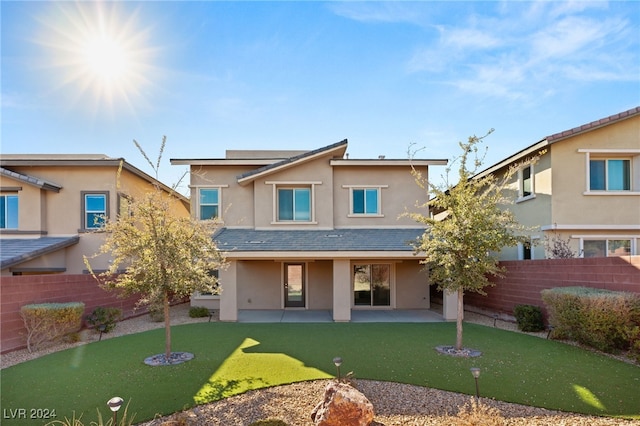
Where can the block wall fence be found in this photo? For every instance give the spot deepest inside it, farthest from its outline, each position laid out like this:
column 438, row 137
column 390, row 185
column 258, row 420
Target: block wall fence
column 17, row 291
column 525, row 279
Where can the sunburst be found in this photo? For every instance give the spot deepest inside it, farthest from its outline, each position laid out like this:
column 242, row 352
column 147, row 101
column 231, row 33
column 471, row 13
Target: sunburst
column 99, row 53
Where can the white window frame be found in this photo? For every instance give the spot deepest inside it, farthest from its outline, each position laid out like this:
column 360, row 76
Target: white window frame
column 379, row 188
column 606, row 238
column 197, row 188
column 532, row 177
column 276, row 185
column 613, row 154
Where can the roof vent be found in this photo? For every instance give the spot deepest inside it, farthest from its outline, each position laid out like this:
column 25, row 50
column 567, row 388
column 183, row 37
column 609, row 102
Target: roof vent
column 255, row 242
column 381, row 157
column 333, row 235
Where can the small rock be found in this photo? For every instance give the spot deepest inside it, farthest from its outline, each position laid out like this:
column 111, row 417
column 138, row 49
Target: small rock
column 343, row 405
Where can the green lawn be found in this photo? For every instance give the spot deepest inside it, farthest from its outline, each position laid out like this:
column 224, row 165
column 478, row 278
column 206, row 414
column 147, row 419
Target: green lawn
column 231, row 358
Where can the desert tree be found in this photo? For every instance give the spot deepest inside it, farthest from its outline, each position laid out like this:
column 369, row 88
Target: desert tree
column 467, row 224
column 158, row 254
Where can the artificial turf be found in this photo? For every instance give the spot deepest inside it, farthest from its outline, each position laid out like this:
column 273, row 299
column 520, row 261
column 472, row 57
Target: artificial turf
column 231, row 358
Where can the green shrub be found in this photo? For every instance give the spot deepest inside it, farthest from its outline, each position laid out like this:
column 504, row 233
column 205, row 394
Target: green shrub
column 198, row 312
column 528, row 318
column 602, row 319
column 104, row 319
column 47, row 322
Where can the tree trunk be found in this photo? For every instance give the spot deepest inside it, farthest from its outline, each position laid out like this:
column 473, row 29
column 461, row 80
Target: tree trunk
column 167, row 327
column 459, row 320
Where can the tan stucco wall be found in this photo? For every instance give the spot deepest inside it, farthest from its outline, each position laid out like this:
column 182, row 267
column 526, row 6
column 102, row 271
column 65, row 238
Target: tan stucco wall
column 259, row 284
column 400, row 194
column 320, row 288
column 570, row 205
column 50, row 213
column 412, row 286
column 313, row 171
column 236, row 206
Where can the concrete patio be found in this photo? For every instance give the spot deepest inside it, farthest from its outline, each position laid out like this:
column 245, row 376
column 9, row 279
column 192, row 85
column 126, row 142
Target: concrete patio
column 303, row 315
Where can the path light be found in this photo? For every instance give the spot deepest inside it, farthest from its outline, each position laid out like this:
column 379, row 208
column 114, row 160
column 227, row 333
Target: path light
column 338, row 362
column 476, row 373
column 114, row 405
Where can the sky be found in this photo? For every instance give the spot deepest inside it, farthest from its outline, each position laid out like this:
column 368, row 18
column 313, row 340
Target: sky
column 391, row 77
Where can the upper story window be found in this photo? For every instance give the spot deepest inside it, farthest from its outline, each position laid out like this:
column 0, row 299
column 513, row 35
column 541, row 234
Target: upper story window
column 209, row 203
column 526, row 181
column 294, row 201
column 8, row 212
column 125, row 208
column 610, row 174
column 95, row 208
column 612, row 171
column 294, row 204
column 365, row 200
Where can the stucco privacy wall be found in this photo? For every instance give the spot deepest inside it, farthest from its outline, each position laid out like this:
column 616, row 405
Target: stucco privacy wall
column 17, row 291
column 525, row 280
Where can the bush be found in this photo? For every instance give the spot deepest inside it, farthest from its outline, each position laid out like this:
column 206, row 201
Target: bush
column 528, row 318
column 104, row 319
column 198, row 312
column 605, row 320
column 156, row 312
column 47, row 322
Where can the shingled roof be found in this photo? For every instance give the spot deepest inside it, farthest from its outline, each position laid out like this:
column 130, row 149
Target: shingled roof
column 249, row 240
column 253, row 174
column 14, row 251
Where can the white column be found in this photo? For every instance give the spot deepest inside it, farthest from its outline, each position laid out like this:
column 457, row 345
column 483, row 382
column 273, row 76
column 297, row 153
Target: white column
column 229, row 294
column 449, row 305
column 341, row 290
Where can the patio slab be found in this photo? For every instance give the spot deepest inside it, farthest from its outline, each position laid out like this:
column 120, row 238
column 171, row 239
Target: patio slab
column 310, row 316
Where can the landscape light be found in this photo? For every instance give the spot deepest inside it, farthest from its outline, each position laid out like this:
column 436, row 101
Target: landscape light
column 114, row 405
column 337, row 361
column 475, row 371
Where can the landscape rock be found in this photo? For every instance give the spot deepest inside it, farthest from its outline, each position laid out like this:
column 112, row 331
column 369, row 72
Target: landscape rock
column 343, row 405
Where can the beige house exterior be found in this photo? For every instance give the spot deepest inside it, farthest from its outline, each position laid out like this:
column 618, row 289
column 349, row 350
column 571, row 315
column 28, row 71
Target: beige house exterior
column 584, row 189
column 49, row 203
column 312, row 230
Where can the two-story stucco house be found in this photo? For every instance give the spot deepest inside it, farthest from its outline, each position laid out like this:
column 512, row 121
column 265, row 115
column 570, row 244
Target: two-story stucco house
column 312, row 230
column 51, row 206
column 584, row 188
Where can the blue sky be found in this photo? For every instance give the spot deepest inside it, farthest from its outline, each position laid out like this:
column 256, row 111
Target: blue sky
column 213, row 76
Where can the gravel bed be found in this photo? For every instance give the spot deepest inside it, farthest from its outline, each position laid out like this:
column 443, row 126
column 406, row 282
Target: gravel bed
column 394, row 403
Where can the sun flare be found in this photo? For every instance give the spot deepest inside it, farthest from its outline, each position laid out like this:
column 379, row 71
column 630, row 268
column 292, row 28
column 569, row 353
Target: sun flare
column 99, row 54
column 106, row 58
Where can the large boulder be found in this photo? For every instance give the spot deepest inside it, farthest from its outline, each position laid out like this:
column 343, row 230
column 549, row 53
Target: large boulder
column 343, row 405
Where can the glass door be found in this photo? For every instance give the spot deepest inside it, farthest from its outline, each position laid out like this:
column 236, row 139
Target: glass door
column 372, row 285
column 294, row 285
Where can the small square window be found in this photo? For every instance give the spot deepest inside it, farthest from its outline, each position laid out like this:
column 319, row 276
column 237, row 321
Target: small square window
column 209, row 203
column 365, row 201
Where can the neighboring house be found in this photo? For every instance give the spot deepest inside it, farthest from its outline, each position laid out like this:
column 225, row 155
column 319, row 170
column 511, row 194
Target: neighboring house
column 584, row 189
column 312, row 230
column 51, row 205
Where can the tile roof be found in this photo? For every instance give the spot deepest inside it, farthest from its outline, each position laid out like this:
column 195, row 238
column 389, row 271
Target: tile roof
column 250, row 240
column 14, row 251
column 594, row 124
